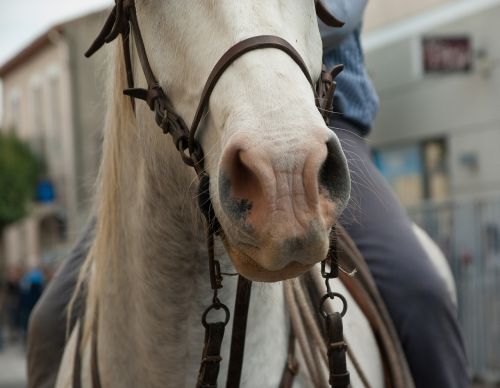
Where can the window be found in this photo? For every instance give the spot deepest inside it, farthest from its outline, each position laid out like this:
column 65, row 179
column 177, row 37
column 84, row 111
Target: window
column 436, row 178
column 416, row 171
column 55, row 117
column 402, row 167
column 14, row 115
column 37, row 136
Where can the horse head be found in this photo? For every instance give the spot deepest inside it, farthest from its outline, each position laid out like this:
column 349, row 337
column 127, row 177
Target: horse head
column 278, row 176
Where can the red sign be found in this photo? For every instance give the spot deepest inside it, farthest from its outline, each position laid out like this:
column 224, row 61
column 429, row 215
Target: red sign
column 447, row 54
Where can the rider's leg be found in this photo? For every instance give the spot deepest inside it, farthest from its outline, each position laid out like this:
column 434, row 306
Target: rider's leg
column 416, row 297
column 48, row 321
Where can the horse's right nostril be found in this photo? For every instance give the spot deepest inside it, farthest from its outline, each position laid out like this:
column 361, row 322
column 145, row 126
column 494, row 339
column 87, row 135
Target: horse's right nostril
column 240, row 183
column 334, row 173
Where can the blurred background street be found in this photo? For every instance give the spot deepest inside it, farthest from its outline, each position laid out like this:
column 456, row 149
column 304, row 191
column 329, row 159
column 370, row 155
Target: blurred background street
column 435, row 65
column 12, row 367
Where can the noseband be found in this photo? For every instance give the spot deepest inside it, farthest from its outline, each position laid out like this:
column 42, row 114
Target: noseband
column 123, row 21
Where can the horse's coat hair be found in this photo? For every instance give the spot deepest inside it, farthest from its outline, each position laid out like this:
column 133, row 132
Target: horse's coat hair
column 146, row 272
column 147, row 269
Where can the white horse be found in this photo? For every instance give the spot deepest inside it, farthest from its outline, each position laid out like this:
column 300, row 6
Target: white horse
column 265, row 143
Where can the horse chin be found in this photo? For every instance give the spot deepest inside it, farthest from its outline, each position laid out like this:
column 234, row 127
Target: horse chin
column 251, row 270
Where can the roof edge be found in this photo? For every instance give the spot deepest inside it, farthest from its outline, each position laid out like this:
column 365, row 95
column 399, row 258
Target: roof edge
column 39, row 43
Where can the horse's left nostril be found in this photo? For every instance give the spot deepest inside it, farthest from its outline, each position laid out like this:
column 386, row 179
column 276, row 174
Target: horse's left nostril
column 334, row 173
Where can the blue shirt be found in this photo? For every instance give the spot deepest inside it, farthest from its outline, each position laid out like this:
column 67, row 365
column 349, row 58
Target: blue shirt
column 355, row 97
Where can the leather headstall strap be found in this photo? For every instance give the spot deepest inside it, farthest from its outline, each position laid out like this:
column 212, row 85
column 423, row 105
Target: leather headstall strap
column 336, row 346
column 123, row 21
column 239, row 331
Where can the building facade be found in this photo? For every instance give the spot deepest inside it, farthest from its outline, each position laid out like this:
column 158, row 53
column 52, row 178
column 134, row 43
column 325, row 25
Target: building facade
column 436, row 140
column 437, row 131
column 381, row 13
column 52, row 101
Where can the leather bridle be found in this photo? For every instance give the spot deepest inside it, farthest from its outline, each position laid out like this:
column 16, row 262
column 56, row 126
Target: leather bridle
column 123, row 21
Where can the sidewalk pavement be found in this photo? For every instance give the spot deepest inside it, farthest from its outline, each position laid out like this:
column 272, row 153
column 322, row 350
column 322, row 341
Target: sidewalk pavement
column 13, row 367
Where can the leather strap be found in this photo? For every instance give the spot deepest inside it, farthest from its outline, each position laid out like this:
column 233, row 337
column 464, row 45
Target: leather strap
column 364, row 291
column 292, row 366
column 339, row 376
column 210, row 362
column 239, row 332
column 231, row 55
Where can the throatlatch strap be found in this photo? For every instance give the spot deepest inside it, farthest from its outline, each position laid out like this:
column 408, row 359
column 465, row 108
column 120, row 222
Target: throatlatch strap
column 239, row 332
column 210, row 362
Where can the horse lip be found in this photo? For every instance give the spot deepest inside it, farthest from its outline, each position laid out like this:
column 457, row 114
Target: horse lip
column 249, row 268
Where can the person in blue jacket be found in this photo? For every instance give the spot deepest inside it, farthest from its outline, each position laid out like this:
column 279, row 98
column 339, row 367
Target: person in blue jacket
column 417, row 299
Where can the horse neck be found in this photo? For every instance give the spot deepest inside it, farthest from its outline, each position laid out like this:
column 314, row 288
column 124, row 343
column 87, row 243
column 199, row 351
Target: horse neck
column 156, row 287
column 149, row 275
column 148, row 270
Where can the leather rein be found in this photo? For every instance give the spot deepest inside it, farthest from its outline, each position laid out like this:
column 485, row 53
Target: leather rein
column 123, row 21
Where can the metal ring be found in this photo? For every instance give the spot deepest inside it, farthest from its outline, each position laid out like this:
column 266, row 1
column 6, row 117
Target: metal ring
column 332, row 295
column 215, row 306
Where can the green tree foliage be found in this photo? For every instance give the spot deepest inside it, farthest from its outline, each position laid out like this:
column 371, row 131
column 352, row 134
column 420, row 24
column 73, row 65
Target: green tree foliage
column 19, row 169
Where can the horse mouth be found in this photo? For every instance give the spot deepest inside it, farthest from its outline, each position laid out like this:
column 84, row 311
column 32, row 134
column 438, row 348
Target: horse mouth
column 249, row 268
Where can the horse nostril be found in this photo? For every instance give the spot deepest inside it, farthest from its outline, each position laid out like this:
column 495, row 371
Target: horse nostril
column 334, row 173
column 243, row 177
column 240, row 184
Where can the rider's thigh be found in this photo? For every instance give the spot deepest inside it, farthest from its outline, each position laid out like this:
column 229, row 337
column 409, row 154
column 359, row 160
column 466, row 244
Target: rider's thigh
column 416, row 297
column 48, row 321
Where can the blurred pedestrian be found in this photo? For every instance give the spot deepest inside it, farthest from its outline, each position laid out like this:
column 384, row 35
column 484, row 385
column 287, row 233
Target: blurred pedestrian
column 30, row 290
column 3, row 306
column 12, row 295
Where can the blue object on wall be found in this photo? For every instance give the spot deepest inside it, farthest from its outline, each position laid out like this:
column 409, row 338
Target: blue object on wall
column 45, row 191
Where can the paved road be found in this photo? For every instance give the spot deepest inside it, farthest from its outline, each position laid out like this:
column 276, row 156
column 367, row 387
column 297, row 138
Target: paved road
column 12, row 367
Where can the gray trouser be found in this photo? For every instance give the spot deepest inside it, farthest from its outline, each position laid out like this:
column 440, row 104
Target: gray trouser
column 48, row 321
column 416, row 297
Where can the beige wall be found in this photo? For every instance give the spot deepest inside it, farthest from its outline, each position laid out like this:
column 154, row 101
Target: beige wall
column 462, row 108
column 58, row 94
column 37, row 104
column 88, row 82
column 383, row 12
